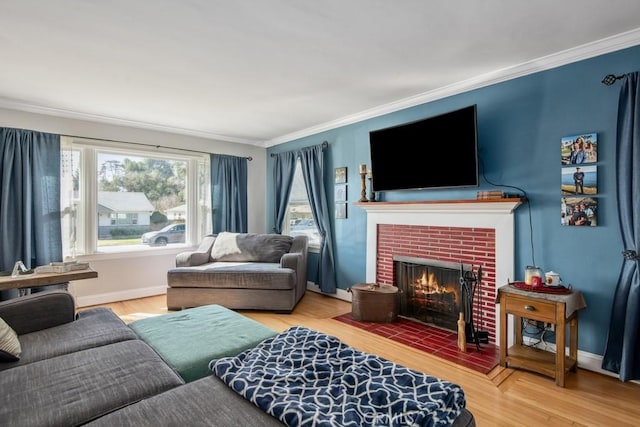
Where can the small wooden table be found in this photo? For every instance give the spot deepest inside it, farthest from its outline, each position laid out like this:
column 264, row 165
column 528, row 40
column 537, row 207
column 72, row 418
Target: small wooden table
column 559, row 309
column 44, row 279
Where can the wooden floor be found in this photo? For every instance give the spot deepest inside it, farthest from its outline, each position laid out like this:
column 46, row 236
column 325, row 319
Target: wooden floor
column 504, row 397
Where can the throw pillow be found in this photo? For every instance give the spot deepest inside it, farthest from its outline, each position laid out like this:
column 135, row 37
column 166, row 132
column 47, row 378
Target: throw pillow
column 250, row 247
column 9, row 344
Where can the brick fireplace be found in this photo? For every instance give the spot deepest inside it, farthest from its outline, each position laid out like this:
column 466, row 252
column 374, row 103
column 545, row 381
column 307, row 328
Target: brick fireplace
column 475, row 233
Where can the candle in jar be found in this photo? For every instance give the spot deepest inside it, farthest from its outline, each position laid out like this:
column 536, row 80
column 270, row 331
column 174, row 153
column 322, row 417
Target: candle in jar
column 363, row 168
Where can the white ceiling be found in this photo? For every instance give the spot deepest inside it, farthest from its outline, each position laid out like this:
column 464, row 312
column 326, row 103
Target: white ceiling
column 265, row 71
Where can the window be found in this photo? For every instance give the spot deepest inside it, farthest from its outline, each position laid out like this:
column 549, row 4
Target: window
column 299, row 220
column 123, row 218
column 116, row 198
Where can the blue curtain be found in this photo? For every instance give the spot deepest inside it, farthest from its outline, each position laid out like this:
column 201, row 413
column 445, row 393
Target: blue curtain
column 29, row 200
column 312, row 161
column 284, row 170
column 622, row 353
column 229, row 193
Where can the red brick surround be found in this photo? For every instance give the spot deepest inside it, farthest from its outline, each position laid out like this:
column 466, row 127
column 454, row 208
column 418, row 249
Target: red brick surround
column 467, row 245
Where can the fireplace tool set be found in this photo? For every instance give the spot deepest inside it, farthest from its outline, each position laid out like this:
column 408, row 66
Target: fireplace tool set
column 470, row 289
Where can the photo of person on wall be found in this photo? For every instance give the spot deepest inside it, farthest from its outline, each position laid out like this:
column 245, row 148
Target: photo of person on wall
column 579, row 180
column 579, row 149
column 578, row 211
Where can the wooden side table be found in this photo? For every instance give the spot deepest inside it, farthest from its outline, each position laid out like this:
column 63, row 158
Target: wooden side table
column 549, row 308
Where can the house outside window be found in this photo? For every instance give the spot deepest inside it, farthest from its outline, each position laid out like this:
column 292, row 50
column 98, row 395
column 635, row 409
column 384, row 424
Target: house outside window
column 113, row 194
column 299, row 219
column 122, row 211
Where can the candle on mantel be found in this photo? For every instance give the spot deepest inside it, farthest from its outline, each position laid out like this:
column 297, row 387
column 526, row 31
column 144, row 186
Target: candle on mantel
column 363, row 168
column 369, row 174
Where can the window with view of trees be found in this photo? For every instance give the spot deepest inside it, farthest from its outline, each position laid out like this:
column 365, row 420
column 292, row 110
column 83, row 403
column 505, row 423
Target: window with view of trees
column 299, row 219
column 115, row 198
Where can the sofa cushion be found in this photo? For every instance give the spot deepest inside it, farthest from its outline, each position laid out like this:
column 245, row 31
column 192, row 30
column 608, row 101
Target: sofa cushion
column 93, row 327
column 207, row 402
column 9, row 344
column 188, row 340
column 76, row 388
column 250, row 247
column 235, row 275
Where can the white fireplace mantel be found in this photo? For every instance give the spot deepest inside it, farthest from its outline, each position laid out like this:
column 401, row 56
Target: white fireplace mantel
column 498, row 206
column 495, row 214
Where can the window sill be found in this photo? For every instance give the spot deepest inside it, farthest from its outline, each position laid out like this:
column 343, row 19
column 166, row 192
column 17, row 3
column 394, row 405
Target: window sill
column 144, row 252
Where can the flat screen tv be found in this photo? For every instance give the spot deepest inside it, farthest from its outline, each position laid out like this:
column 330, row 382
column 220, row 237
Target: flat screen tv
column 436, row 152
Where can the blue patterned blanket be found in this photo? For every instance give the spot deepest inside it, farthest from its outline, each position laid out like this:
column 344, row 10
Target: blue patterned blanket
column 303, row 377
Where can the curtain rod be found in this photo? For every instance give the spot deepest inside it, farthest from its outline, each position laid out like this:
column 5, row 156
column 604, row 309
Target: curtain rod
column 249, row 158
column 610, row 79
column 325, row 144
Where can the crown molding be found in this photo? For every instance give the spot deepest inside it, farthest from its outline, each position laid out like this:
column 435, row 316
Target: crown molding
column 69, row 114
column 586, row 51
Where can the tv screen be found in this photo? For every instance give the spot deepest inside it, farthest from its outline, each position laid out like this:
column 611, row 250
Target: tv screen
column 436, row 152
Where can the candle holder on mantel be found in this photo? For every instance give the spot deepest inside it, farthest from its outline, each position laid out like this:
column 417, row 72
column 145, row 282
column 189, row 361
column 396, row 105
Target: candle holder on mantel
column 372, row 194
column 363, row 183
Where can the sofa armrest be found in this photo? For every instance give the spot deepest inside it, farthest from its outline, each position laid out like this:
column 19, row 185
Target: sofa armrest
column 296, row 259
column 38, row 311
column 199, row 256
column 292, row 261
column 190, row 259
column 300, row 245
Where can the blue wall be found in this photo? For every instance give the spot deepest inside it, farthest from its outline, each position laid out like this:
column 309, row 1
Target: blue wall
column 520, row 124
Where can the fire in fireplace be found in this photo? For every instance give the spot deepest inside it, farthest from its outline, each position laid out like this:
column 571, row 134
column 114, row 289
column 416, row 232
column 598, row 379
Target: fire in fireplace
column 430, row 290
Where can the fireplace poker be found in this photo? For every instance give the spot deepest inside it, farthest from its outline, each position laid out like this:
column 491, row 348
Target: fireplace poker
column 469, row 281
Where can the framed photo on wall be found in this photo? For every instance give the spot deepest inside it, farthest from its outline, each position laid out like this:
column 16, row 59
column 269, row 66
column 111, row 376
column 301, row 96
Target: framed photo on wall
column 341, row 210
column 340, row 175
column 579, row 180
column 579, row 149
column 579, row 211
column 340, row 193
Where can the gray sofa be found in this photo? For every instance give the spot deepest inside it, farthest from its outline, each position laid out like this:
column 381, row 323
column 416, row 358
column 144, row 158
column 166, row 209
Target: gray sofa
column 243, row 271
column 92, row 368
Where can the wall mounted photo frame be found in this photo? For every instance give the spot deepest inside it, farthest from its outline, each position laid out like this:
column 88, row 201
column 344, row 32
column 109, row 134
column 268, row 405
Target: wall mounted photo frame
column 579, row 180
column 340, row 175
column 341, row 210
column 340, row 193
column 579, row 211
column 579, row 149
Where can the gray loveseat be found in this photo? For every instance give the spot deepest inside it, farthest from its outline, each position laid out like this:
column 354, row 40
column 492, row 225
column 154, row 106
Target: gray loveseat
column 243, row 271
column 93, row 369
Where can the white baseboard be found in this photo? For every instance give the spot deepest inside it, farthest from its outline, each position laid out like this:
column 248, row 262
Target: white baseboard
column 342, row 294
column 85, row 301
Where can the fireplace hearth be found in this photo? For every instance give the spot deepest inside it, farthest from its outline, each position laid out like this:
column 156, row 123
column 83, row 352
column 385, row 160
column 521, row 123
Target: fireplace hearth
column 430, row 290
